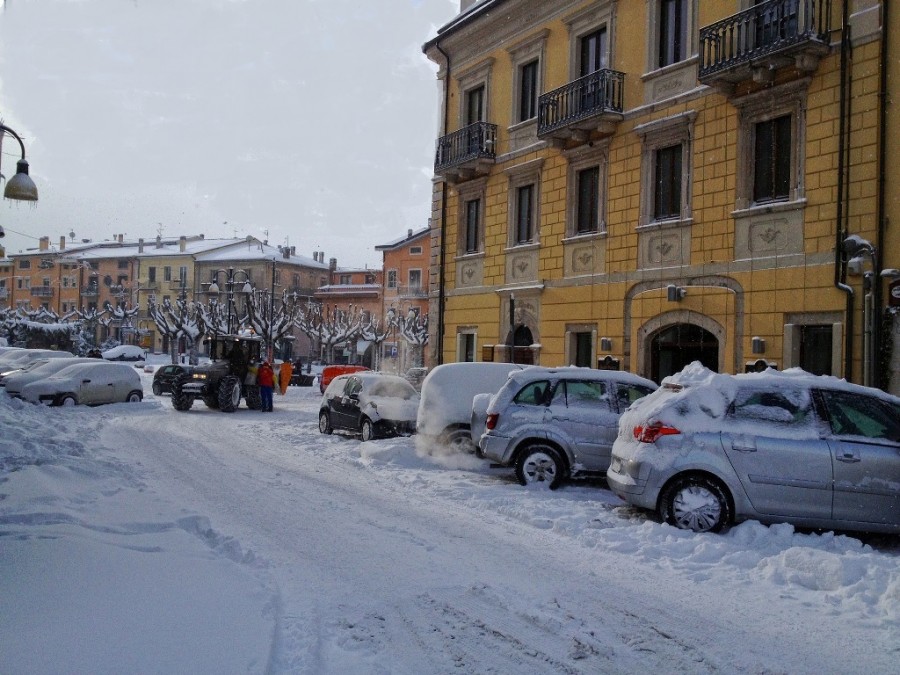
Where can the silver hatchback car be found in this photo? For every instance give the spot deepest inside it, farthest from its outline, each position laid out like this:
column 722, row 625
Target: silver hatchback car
column 553, row 423
column 707, row 450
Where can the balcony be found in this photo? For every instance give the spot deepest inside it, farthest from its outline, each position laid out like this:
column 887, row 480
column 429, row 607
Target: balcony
column 467, row 153
column 41, row 292
column 410, row 292
column 592, row 103
column 90, row 291
column 753, row 44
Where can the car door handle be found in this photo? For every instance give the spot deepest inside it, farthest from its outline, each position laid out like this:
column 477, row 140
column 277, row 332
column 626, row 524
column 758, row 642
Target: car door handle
column 848, row 458
column 743, row 448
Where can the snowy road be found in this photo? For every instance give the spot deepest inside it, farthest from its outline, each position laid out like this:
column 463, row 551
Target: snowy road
column 379, row 560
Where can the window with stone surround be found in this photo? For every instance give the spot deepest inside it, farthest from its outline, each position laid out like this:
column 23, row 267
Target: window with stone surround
column 586, row 196
column 524, row 203
column 527, row 58
column 666, row 164
column 470, row 216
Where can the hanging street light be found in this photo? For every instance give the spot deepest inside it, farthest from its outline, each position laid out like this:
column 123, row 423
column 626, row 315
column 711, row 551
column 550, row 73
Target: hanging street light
column 20, row 187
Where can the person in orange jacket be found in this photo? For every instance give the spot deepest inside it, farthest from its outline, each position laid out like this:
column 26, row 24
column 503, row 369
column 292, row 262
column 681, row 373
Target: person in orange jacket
column 265, row 378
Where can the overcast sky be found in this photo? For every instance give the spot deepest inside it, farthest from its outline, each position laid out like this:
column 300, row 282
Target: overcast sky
column 312, row 119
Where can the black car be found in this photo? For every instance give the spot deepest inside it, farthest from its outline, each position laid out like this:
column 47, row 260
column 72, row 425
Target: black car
column 165, row 377
column 369, row 404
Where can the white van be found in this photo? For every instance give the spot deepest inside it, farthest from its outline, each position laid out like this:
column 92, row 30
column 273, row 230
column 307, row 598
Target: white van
column 445, row 407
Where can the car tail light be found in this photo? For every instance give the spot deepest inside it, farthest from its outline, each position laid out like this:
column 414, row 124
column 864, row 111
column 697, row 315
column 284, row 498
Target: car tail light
column 491, row 421
column 652, row 432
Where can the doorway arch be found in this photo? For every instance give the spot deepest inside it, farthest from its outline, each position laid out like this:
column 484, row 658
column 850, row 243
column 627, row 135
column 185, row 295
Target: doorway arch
column 673, row 347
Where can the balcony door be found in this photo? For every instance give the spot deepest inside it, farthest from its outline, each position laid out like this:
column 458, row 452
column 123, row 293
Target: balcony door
column 475, row 114
column 593, row 58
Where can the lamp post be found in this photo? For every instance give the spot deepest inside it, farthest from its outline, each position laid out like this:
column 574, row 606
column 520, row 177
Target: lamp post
column 230, row 280
column 855, row 246
column 20, row 186
column 270, row 342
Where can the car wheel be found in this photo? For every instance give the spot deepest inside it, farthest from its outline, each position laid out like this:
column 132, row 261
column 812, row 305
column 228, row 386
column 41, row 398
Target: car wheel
column 157, row 389
column 540, row 464
column 68, row 401
column 324, row 423
column 134, row 397
column 460, row 440
column 229, row 394
column 695, row 503
column 366, row 430
column 180, row 400
column 211, row 402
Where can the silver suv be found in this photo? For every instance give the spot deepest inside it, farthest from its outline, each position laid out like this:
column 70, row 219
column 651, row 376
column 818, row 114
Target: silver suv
column 706, row 450
column 554, row 423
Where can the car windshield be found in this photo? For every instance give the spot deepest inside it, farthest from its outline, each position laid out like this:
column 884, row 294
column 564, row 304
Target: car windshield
column 393, row 389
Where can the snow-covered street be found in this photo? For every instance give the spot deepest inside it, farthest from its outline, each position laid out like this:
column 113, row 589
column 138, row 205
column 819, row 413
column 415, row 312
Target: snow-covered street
column 134, row 538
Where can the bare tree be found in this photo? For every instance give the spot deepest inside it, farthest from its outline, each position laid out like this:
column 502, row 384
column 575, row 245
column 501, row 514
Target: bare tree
column 274, row 320
column 414, row 329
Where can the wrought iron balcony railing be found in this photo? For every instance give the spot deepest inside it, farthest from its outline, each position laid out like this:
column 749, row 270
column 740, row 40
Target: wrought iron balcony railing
column 90, row 291
column 469, row 145
column 583, row 99
column 782, row 28
column 41, row 291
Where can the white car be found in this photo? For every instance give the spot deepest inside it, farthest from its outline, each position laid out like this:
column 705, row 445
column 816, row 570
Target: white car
column 87, row 383
column 125, row 353
column 20, row 357
column 445, row 407
column 38, row 370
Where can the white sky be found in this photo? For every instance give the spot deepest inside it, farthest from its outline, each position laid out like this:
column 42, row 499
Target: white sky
column 312, row 119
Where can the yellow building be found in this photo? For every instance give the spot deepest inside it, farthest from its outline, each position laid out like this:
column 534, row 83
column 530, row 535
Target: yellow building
column 638, row 185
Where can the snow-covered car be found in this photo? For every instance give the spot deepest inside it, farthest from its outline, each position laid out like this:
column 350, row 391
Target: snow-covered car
column 333, row 371
column 445, row 407
column 38, row 370
column 415, row 376
column 20, row 357
column 87, row 383
column 125, row 353
column 557, row 423
column 706, row 450
column 369, row 404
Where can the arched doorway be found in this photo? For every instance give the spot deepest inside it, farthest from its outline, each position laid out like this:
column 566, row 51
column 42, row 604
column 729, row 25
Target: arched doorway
column 674, row 347
column 522, row 341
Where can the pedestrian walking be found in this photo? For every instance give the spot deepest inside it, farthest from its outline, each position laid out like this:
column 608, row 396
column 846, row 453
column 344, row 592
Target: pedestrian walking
column 265, row 378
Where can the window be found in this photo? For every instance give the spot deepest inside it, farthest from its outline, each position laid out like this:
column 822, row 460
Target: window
column 534, row 393
column 466, row 346
column 182, row 274
column 474, row 105
column 585, row 394
column 472, row 225
column 24, row 264
column 584, row 349
column 587, row 215
column 123, row 264
column 415, row 250
column 666, row 169
column 667, row 183
column 770, row 148
column 673, row 33
column 151, row 275
column 772, row 160
column 854, row 415
column 415, row 280
column 392, row 279
column 345, row 280
column 593, row 52
column 528, row 92
column 167, row 273
column 815, row 349
column 524, row 214
column 370, row 278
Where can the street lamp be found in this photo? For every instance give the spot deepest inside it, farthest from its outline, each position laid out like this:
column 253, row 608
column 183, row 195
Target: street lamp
column 230, row 280
column 855, row 246
column 20, row 186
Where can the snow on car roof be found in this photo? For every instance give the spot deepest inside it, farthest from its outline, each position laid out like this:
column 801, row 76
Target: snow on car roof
column 540, row 372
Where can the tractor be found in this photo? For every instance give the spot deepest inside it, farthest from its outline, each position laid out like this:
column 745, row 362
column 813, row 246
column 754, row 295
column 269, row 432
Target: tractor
column 229, row 376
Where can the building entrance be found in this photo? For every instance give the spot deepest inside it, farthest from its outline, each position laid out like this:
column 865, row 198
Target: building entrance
column 674, row 347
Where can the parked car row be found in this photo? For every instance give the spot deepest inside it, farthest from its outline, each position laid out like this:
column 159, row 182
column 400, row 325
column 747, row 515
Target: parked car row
column 703, row 451
column 52, row 377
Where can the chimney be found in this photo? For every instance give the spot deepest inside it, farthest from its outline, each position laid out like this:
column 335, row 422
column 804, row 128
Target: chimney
column 182, row 244
column 332, row 264
column 286, row 253
column 409, row 233
column 140, row 245
column 44, row 244
column 62, row 243
column 120, row 238
column 293, row 251
column 158, row 241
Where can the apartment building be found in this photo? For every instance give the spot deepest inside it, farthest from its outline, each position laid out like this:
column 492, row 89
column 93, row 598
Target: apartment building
column 639, row 185
column 405, row 262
